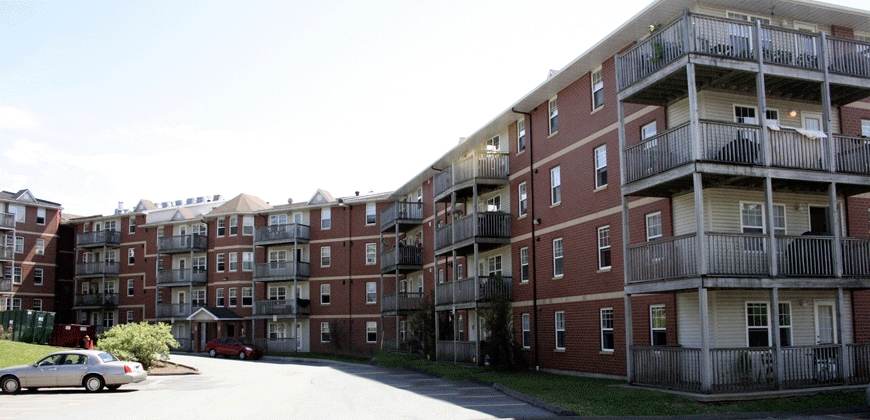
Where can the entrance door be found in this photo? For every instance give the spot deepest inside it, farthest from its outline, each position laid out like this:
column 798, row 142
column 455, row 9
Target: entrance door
column 826, row 328
column 298, row 336
column 819, row 218
column 231, row 330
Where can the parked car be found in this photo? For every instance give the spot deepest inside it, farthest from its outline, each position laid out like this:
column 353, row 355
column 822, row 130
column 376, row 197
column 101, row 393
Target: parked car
column 233, row 346
column 91, row 369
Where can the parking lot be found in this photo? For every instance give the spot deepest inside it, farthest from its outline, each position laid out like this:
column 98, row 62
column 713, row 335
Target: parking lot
column 229, row 389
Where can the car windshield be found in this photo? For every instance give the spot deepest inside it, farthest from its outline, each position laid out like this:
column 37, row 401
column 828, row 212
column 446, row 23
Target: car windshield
column 106, row 357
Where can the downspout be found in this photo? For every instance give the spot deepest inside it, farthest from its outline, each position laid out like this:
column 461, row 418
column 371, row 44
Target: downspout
column 349, row 281
column 533, row 267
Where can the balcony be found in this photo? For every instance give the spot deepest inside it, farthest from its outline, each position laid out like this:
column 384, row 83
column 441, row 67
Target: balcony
column 7, row 253
column 108, row 238
column 402, row 258
column 98, row 269
column 460, row 352
column 713, row 39
column 402, row 303
column 403, row 214
column 181, row 277
column 482, row 167
column 747, row 255
column 184, row 243
column 96, row 300
column 7, row 221
column 282, row 308
column 176, row 310
column 282, row 271
column 282, row 234
column 472, row 289
column 5, row 285
column 738, row 370
column 481, row 227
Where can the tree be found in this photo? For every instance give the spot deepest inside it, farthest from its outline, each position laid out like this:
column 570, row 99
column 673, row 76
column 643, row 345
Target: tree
column 143, row 342
column 422, row 325
column 500, row 346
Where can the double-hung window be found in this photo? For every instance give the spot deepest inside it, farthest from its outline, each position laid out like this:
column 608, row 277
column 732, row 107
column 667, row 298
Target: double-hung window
column 553, row 107
column 131, row 225
column 527, row 331
column 131, row 256
column 658, row 325
column 653, row 226
column 248, row 225
column 247, row 261
column 40, row 216
column 371, row 215
column 757, row 324
column 219, row 299
column 493, row 144
column 558, row 269
column 325, row 218
column 524, row 199
column 600, row 166
column 371, row 332
column 555, row 185
column 325, row 290
column 865, row 128
column 234, row 225
column 221, row 227
column 234, row 261
column 324, row 332
column 560, row 330
column 247, row 296
column 131, row 287
column 40, row 246
column 325, row 256
column 603, row 247
column 597, row 89
column 371, row 254
column 221, row 262
column 607, row 343
column 521, row 135
column 371, row 292
column 38, row 276
column 524, row 265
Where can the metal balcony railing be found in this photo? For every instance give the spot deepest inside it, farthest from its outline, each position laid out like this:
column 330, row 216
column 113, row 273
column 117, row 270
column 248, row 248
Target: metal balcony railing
column 403, row 302
column 282, row 270
column 283, row 307
column 7, row 253
column 184, row 276
column 182, row 243
column 97, row 299
column 96, row 269
column 489, row 225
column 472, row 289
column 285, row 233
column 403, row 256
column 108, row 238
column 402, row 212
column 7, row 221
column 482, row 165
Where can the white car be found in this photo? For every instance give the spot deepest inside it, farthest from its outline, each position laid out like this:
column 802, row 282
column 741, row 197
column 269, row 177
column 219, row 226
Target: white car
column 91, row 369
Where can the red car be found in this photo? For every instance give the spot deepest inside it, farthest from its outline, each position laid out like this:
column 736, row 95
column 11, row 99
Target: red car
column 232, row 346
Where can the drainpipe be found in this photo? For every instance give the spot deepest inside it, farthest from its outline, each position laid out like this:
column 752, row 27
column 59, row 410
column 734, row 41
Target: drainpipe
column 533, row 267
column 349, row 281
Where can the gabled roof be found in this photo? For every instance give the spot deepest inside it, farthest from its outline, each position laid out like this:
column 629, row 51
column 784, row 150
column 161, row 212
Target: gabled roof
column 321, row 197
column 25, row 196
column 180, row 214
column 214, row 314
column 242, row 203
column 144, row 205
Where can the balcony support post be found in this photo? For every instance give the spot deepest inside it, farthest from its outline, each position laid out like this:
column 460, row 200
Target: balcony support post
column 694, row 122
column 706, row 366
column 761, row 96
column 771, row 234
column 826, row 104
column 629, row 339
column 844, row 360
column 701, row 245
column 777, row 343
column 834, row 223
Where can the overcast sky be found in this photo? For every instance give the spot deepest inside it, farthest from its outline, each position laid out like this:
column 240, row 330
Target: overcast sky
column 102, row 102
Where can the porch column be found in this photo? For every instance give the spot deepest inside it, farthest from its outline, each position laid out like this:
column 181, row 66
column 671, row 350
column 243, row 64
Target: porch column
column 629, row 339
column 777, row 344
column 694, row 122
column 834, row 222
column 771, row 234
column 826, row 105
column 844, row 360
column 700, row 237
column 761, row 96
column 706, row 363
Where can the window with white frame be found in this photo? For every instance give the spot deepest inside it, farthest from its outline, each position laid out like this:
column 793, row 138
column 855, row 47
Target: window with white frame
column 371, row 213
column 233, row 298
column 553, row 107
column 440, row 275
column 234, row 225
column 371, row 332
column 325, row 218
column 560, row 330
column 277, row 293
column 371, row 254
column 493, row 203
column 607, row 343
column 197, row 298
column 38, row 276
column 597, row 89
column 12, row 304
column 558, row 268
column 18, row 210
column 524, row 264
column 521, row 135
column 247, row 296
column 600, row 166
column 234, row 261
column 277, row 219
column 747, row 17
column 247, row 261
column 494, row 266
column 524, row 199
column 785, row 324
column 219, row 298
column 220, row 263
column 277, row 256
column 648, row 130
column 40, row 216
column 527, row 331
column 603, row 247
column 16, row 275
column 460, row 271
column 131, row 287
column 658, row 325
column 37, row 304
column 131, row 256
column 371, row 292
column 130, row 317
column 248, row 225
column 744, row 115
column 19, row 244
column 131, row 225
column 325, row 296
column 40, row 246
column 198, row 264
column 108, row 320
column 865, row 128
column 493, row 144
column 653, row 226
column 325, row 256
column 111, row 225
column 757, row 324
column 325, row 336
column 221, row 227
column 556, row 185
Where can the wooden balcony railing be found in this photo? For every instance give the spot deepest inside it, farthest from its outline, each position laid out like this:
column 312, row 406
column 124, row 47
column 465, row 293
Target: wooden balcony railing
column 720, row 37
column 482, row 165
column 96, row 299
column 462, row 352
column 97, row 269
column 183, row 243
column 282, row 270
column 472, row 289
column 401, row 256
column 185, row 276
column 282, row 233
column 7, row 221
column 403, row 302
column 6, row 253
column 108, row 238
column 853, row 154
column 402, row 212
column 176, row 310
column 489, row 225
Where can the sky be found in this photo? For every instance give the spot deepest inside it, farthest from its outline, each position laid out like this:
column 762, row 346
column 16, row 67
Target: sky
column 108, row 102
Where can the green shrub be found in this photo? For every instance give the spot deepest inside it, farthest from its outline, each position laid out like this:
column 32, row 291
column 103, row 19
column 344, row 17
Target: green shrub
column 143, row 342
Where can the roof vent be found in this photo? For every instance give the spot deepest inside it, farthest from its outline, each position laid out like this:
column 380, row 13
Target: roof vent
column 551, row 73
column 189, row 201
column 290, row 200
column 217, row 197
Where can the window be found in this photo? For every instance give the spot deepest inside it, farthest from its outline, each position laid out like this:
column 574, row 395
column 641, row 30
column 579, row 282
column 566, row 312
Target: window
column 521, row 135
column 16, row 275
column 493, row 144
column 865, row 128
column 524, row 264
column 748, row 18
column 558, row 269
column 325, row 256
column 744, row 115
column 130, row 317
column 371, row 292
column 219, row 297
column 277, row 219
column 553, row 107
column 524, row 199
column 527, row 331
column 221, row 227
column 325, row 218
column 440, row 275
column 40, row 216
column 131, row 256
column 110, row 257
column 247, row 261
column 757, row 324
column 108, row 319
column 658, row 325
column 560, row 330
column 131, row 287
column 277, row 293
column 371, row 254
column 37, row 304
column 234, row 225
column 601, row 166
column 247, row 296
column 234, row 261
column 40, row 246
column 555, row 185
column 197, row 298
column 460, row 269
column 784, row 324
column 12, row 304
column 607, row 329
column 277, row 256
column 597, row 89
column 19, row 244
column 111, row 225
column 648, row 130
column 131, row 225
column 198, row 264
column 248, row 225
column 233, row 298
column 325, row 297
column 493, row 203
column 371, row 217
column 371, row 332
column 324, row 332
column 38, row 276
column 220, row 262
column 653, row 226
column 18, row 211
column 603, row 247
column 494, row 266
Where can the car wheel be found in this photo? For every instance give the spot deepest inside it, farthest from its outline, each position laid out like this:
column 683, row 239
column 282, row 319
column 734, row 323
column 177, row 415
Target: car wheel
column 93, row 383
column 242, row 355
column 212, row 353
column 113, row 387
column 10, row 384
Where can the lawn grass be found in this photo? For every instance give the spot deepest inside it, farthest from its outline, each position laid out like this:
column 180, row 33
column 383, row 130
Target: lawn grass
column 13, row 353
column 607, row 397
